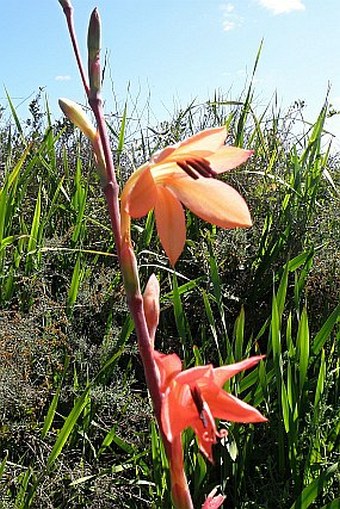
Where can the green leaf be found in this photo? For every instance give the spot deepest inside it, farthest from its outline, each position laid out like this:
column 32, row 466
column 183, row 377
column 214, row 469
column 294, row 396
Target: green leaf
column 15, row 116
column 68, row 426
column 335, row 504
column 323, row 334
column 309, row 494
column 321, row 381
column 239, row 335
column 77, row 276
column 51, row 413
column 302, row 343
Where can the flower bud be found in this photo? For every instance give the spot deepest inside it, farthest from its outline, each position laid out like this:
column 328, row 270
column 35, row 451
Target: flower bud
column 129, row 269
column 151, row 305
column 76, row 115
column 93, row 48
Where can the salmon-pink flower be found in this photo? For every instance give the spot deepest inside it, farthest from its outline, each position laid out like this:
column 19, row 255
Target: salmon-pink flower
column 181, row 174
column 195, row 397
column 212, row 501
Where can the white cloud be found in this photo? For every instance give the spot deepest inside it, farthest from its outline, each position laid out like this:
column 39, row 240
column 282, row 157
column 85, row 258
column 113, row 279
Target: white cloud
column 62, row 77
column 282, row 6
column 228, row 8
column 228, row 25
column 230, row 19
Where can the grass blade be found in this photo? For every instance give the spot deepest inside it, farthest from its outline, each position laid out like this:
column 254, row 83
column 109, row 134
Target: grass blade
column 302, row 343
column 310, row 493
column 325, row 331
column 68, row 426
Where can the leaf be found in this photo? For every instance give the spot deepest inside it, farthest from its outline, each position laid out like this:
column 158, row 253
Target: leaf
column 239, row 335
column 302, row 343
column 335, row 504
column 325, row 331
column 309, row 494
column 321, row 381
column 68, row 426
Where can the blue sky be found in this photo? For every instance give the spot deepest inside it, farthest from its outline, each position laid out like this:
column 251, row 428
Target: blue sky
column 178, row 50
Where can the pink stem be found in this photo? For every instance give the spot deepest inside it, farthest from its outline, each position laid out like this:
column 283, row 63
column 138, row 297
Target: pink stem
column 179, row 487
column 68, row 11
column 180, row 490
column 111, row 190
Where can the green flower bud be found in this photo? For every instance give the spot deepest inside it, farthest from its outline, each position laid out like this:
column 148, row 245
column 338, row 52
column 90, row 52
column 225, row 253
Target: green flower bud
column 93, row 47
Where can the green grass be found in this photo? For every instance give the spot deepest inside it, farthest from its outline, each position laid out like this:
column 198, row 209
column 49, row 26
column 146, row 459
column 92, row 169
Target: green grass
column 76, row 425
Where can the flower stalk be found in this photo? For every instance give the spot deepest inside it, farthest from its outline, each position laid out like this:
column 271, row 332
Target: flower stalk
column 68, row 11
column 181, row 174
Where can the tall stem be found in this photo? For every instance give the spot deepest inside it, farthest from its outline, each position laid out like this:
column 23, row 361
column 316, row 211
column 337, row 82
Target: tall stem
column 179, row 486
column 111, row 189
column 127, row 260
column 68, row 11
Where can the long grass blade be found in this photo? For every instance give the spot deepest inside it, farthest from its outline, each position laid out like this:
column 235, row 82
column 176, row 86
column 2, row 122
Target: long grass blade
column 68, row 426
column 310, row 493
column 325, row 331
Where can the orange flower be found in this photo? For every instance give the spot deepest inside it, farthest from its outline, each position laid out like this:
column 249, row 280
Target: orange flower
column 212, row 501
column 181, row 174
column 195, row 397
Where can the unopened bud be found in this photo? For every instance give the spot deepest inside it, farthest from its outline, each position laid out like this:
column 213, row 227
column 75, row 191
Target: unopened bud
column 151, row 305
column 129, row 269
column 76, row 115
column 93, row 48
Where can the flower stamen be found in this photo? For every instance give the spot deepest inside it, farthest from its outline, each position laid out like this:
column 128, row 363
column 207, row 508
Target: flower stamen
column 197, row 165
column 199, row 403
column 204, row 411
column 185, row 167
column 202, row 166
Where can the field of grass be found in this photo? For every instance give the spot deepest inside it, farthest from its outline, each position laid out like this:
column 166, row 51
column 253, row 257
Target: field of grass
column 76, row 424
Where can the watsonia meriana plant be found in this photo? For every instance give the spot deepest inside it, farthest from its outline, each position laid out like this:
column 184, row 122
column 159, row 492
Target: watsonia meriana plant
column 181, row 174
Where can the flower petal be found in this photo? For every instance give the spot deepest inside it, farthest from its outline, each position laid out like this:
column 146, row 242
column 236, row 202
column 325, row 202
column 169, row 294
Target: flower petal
column 142, row 196
column 169, row 366
column 178, row 410
column 203, row 143
column 170, row 221
column 228, row 157
column 228, row 407
column 207, row 141
column 214, row 201
column 224, row 373
column 192, row 375
column 212, row 501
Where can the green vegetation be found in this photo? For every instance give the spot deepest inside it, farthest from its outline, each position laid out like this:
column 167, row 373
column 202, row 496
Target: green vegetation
column 76, row 427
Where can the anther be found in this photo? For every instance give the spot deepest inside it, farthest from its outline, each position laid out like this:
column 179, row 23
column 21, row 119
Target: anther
column 202, row 166
column 199, row 403
column 196, row 167
column 187, row 170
